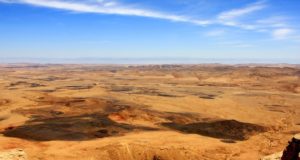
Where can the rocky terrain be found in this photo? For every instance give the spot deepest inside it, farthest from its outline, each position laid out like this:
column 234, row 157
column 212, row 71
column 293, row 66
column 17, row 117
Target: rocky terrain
column 147, row 112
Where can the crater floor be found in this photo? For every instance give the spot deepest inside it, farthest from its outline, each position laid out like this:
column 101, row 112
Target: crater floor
column 148, row 112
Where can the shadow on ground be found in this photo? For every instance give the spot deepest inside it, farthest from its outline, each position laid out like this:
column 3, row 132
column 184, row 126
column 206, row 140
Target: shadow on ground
column 228, row 130
column 75, row 119
column 83, row 127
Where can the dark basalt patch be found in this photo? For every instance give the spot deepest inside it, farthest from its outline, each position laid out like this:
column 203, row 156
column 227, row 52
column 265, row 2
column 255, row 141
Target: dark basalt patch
column 121, row 88
column 153, row 92
column 76, row 87
column 64, row 101
column 228, row 141
column 47, row 90
column 24, row 83
column 207, row 96
column 218, row 84
column 51, row 78
column 141, row 91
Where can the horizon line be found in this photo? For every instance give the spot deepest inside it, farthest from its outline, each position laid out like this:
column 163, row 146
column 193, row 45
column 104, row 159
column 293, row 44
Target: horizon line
column 147, row 60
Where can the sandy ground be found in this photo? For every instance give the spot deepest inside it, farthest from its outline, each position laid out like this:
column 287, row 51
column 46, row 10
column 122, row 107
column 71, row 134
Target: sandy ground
column 159, row 112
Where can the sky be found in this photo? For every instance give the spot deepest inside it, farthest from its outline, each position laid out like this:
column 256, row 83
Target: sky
column 228, row 29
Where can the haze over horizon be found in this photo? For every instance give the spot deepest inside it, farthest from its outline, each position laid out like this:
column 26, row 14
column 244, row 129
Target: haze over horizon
column 66, row 29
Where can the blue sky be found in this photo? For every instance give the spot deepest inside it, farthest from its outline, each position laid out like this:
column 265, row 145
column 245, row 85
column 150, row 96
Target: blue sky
column 263, row 29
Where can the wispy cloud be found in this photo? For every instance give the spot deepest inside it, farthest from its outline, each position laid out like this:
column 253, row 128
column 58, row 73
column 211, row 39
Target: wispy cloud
column 112, row 7
column 282, row 33
column 275, row 26
column 107, row 7
column 275, row 21
column 231, row 17
column 215, row 33
column 226, row 18
column 236, row 13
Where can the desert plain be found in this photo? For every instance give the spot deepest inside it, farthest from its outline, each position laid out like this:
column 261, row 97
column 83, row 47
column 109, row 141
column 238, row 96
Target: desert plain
column 148, row 112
